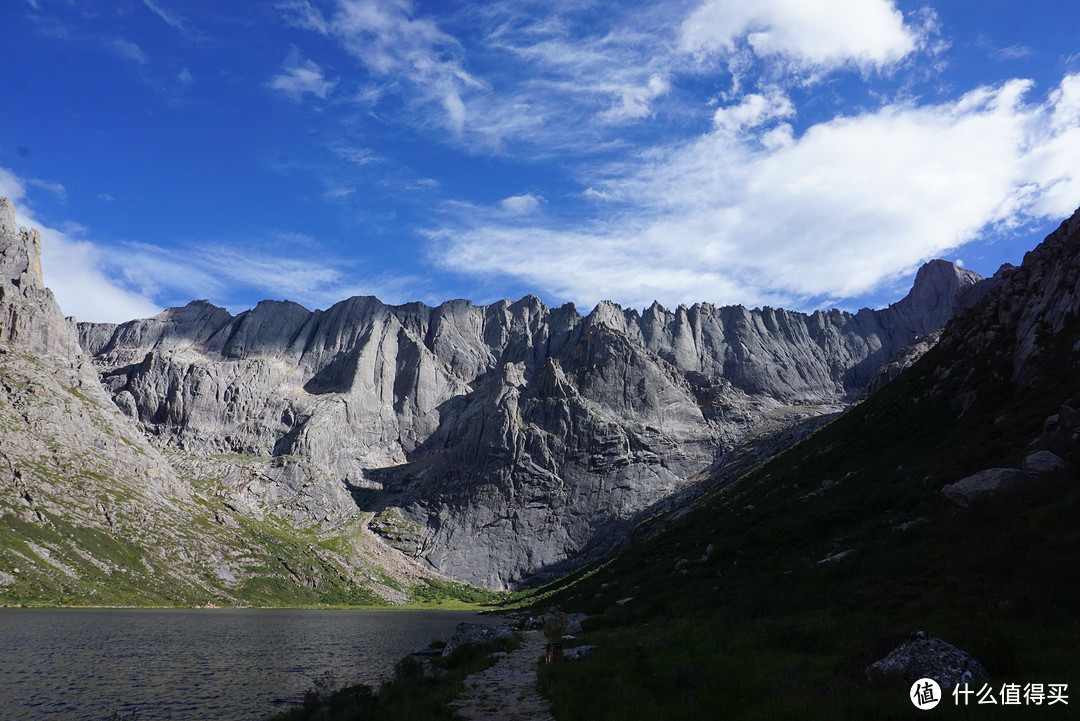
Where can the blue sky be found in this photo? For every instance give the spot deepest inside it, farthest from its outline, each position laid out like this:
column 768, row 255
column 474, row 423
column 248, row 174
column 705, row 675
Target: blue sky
column 793, row 153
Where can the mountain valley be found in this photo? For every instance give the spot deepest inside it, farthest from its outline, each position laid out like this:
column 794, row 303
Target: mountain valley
column 497, row 446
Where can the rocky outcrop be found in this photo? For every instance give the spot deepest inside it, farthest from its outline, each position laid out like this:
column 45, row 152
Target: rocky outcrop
column 476, row 634
column 497, row 444
column 29, row 314
column 1043, row 462
column 1032, row 308
column 985, row 484
column 904, row 359
column 1018, row 348
column 924, row 656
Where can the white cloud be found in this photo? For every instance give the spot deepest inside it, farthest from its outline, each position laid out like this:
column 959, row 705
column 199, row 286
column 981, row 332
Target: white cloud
column 95, row 282
column 223, row 273
column 753, row 111
column 354, row 155
column 76, row 269
column 56, row 189
column 338, row 193
column 526, row 204
column 167, row 15
column 303, row 14
column 1013, row 52
column 568, row 84
column 849, row 204
column 636, row 101
column 300, row 76
column 185, row 76
column 542, row 88
column 821, row 33
column 393, row 44
column 128, row 51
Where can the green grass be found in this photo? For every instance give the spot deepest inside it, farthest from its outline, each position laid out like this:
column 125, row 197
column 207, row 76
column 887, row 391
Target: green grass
column 123, row 577
column 287, row 567
column 444, row 591
column 761, row 630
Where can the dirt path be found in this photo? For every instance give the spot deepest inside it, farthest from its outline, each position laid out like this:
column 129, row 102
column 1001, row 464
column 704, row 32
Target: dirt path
column 507, row 690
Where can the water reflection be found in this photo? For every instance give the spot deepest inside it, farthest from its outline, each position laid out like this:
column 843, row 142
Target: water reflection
column 180, row 665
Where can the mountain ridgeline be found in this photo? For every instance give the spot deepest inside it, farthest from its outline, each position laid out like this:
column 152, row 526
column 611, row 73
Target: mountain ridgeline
column 503, row 444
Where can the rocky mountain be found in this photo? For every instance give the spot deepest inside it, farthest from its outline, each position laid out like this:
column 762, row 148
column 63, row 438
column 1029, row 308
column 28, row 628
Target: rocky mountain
column 496, row 444
column 93, row 512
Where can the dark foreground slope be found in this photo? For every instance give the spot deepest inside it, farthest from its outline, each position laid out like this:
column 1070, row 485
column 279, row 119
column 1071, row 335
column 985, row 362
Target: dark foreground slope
column 770, row 598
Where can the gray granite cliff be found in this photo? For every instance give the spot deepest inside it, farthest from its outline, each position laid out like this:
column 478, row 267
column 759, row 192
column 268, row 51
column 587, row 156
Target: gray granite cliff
column 496, row 444
column 93, row 511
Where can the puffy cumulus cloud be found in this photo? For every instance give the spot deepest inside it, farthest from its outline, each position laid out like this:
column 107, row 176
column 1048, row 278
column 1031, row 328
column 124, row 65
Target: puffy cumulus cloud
column 848, row 205
column 526, row 204
column 820, row 33
column 77, row 270
column 300, row 76
column 753, row 110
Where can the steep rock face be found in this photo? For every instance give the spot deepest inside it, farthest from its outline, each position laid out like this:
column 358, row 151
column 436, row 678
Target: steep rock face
column 35, row 335
column 29, row 314
column 92, row 512
column 1022, row 343
column 509, row 439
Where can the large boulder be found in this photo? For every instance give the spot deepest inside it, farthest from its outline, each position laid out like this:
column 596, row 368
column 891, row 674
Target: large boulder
column 476, row 634
column 991, row 482
column 1043, row 462
column 924, row 656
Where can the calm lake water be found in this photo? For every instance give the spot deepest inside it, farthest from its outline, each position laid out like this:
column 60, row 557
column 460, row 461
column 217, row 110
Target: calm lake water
column 196, row 665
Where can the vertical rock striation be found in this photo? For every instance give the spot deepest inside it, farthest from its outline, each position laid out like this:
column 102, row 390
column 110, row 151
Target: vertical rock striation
column 29, row 314
column 498, row 443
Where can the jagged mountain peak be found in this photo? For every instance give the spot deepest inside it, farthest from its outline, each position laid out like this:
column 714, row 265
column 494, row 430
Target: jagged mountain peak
column 936, row 283
column 537, row 434
column 29, row 313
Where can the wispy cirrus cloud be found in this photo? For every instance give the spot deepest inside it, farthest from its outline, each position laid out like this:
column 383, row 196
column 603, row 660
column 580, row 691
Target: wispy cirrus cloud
column 225, row 272
column 128, row 51
column 395, row 46
column 115, row 282
column 169, row 16
column 555, row 77
column 56, row 189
